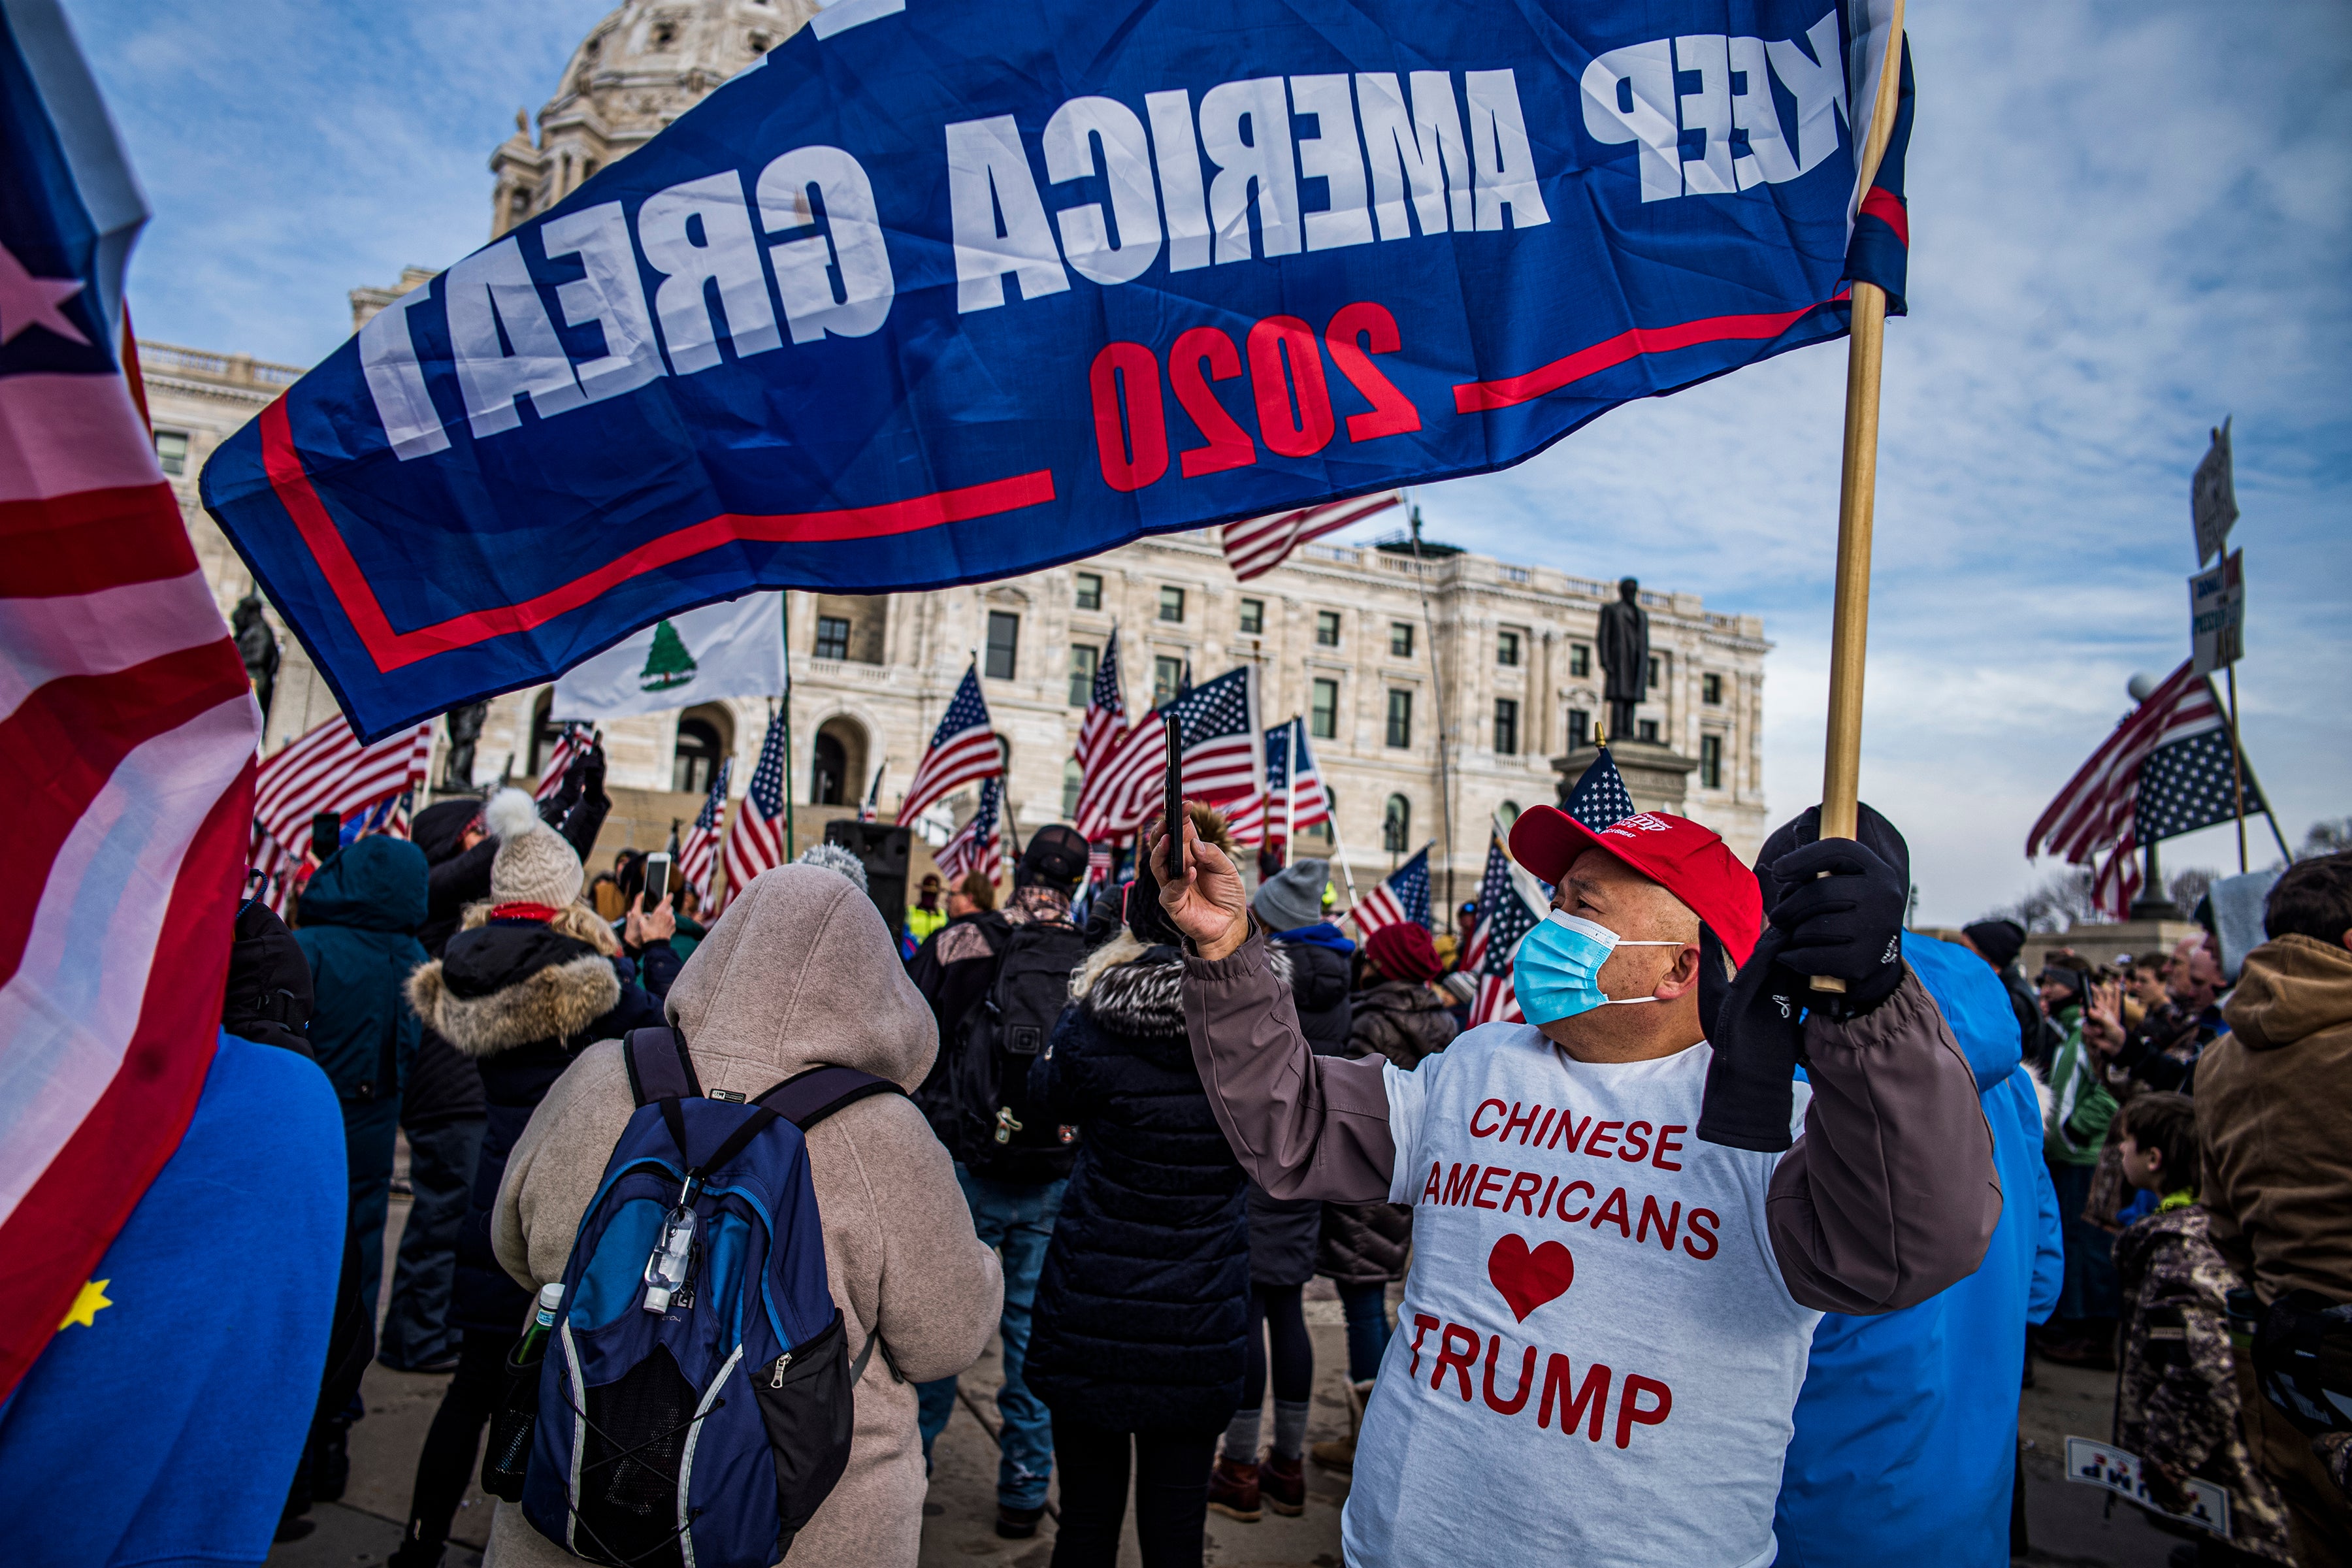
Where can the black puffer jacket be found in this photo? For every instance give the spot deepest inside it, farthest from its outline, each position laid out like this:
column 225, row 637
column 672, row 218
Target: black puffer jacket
column 443, row 1087
column 1367, row 1244
column 1318, row 984
column 522, row 1001
column 1144, row 1295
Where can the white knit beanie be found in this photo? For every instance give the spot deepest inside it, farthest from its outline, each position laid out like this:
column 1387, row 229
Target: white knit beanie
column 534, row 863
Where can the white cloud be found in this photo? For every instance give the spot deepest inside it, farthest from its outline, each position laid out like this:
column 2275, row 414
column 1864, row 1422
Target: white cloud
column 2126, row 221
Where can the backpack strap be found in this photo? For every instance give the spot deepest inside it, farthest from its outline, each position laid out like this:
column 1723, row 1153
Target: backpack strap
column 807, row 1098
column 659, row 1066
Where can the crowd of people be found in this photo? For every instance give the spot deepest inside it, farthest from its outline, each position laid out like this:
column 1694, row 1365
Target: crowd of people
column 1744, row 1275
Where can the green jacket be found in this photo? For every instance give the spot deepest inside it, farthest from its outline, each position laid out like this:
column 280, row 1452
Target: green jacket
column 2080, row 1106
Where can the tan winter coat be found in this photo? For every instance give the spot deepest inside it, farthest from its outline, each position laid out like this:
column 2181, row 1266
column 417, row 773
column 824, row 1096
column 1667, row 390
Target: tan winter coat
column 2272, row 1124
column 801, row 972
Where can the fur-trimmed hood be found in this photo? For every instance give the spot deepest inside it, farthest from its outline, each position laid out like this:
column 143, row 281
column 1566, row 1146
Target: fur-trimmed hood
column 500, row 987
column 1131, row 989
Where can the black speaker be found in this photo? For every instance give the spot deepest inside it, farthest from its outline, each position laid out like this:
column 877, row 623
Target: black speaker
column 884, row 851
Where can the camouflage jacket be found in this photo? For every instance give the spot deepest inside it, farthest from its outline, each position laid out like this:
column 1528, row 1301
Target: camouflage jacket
column 2177, row 1391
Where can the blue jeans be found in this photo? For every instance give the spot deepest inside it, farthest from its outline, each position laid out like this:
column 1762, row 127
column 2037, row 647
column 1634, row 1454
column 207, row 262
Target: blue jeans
column 1366, row 1308
column 1018, row 1221
column 2092, row 1288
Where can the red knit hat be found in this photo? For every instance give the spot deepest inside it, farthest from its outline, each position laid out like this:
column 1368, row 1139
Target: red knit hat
column 1689, row 861
column 1404, row 952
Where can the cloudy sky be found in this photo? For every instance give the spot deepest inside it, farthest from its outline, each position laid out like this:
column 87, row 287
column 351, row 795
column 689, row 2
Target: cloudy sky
column 2127, row 221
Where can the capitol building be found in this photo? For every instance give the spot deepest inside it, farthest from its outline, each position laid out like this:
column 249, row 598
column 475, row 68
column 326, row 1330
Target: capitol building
column 1390, row 659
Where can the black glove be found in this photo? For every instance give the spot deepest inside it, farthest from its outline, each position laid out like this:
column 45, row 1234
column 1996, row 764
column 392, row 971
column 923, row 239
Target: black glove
column 1848, row 923
column 1759, row 1039
column 592, row 769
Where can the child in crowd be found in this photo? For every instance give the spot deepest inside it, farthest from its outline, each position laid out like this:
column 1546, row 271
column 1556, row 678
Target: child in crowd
column 2176, row 1393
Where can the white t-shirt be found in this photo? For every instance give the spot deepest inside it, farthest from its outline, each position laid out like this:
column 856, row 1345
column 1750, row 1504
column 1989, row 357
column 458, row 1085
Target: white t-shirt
column 1596, row 1357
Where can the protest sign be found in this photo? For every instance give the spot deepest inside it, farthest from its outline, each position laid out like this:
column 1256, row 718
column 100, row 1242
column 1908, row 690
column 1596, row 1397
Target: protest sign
column 2213, row 496
column 2114, row 1470
column 938, row 293
column 2217, row 614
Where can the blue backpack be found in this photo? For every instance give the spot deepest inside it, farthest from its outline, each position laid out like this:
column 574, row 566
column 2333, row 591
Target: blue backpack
column 695, row 1402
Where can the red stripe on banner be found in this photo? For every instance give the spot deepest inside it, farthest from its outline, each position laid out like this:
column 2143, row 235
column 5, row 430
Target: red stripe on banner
column 1888, row 208
column 87, row 542
column 70, row 1214
column 61, row 745
column 1481, row 396
column 392, row 649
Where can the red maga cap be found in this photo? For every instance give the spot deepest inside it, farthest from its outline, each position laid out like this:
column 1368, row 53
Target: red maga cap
column 1689, row 861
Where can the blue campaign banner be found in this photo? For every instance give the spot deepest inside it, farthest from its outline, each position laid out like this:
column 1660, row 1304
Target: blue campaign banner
column 940, row 292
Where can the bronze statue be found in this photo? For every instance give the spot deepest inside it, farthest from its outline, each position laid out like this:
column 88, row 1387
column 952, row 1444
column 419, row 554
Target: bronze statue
column 257, row 647
column 1625, row 646
column 464, row 729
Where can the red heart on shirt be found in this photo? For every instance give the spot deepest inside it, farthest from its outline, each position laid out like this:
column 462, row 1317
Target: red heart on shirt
column 1528, row 1279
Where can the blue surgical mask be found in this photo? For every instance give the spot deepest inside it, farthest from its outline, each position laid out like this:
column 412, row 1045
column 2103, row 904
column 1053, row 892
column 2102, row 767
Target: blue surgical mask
column 1555, row 973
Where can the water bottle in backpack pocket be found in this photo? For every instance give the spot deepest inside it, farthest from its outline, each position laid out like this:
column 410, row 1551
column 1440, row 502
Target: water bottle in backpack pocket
column 999, row 1129
column 695, row 1402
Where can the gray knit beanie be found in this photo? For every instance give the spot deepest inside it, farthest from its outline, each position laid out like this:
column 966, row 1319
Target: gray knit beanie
column 534, row 865
column 1293, row 896
column 835, row 857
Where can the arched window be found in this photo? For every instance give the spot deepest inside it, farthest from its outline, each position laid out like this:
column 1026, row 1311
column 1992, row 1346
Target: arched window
column 696, row 758
column 1507, row 813
column 828, row 773
column 838, row 768
column 1073, row 779
column 1396, row 825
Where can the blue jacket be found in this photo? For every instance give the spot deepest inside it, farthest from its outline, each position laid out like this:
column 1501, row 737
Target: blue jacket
column 162, row 1425
column 1905, row 1440
column 360, row 916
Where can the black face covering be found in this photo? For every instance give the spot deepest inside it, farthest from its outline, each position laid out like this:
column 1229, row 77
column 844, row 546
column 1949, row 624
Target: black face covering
column 268, row 998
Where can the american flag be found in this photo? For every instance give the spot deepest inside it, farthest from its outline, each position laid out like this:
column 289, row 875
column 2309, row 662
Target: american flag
column 328, row 770
column 569, row 743
column 1258, row 546
column 2164, row 770
column 1223, row 756
column 963, row 750
column 696, row 856
column 1293, row 799
column 1505, row 913
column 870, row 809
column 1403, row 895
column 1100, row 731
column 386, row 819
column 978, row 844
column 127, row 724
column 755, row 838
column 1599, row 799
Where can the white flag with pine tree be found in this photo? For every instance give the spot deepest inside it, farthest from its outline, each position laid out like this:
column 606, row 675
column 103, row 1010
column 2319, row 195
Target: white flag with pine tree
column 730, row 650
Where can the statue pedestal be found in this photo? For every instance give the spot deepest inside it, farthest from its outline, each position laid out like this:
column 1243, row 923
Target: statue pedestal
column 1656, row 776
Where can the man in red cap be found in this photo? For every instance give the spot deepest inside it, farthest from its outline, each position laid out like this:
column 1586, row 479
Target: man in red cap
column 1606, row 1323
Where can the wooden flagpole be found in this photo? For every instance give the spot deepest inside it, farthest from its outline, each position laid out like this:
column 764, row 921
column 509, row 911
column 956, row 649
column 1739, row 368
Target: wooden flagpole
column 1857, row 492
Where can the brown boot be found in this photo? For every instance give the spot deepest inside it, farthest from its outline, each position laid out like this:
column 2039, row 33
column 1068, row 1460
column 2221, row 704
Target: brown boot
column 1283, row 1483
column 1339, row 1455
column 1233, row 1491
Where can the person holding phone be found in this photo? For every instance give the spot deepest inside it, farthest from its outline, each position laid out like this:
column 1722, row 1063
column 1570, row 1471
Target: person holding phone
column 1605, row 1323
column 1136, row 1345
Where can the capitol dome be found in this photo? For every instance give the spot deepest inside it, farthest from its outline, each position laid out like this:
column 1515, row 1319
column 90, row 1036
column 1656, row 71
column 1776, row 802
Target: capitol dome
column 639, row 68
